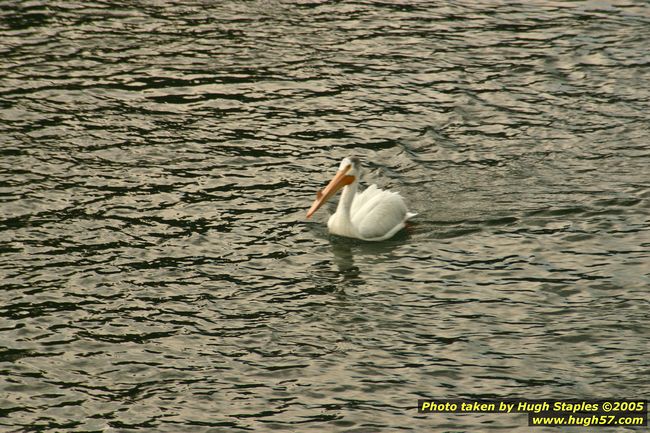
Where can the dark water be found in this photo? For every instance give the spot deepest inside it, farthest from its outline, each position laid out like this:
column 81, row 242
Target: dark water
column 157, row 160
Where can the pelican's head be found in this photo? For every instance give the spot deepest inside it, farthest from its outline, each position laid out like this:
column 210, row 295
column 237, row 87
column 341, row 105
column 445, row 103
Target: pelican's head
column 354, row 165
column 348, row 172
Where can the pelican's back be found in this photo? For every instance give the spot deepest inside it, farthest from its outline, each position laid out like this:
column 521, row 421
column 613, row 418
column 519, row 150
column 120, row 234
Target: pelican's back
column 378, row 214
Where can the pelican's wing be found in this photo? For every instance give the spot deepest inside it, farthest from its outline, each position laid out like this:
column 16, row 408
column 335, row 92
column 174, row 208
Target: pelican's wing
column 362, row 198
column 379, row 214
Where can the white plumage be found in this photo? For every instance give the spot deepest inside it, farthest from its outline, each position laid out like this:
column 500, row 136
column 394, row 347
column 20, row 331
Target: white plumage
column 371, row 215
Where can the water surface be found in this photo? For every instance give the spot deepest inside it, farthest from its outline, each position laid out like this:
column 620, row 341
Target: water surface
column 157, row 161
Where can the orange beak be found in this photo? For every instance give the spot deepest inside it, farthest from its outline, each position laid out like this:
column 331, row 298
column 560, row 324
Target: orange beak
column 339, row 181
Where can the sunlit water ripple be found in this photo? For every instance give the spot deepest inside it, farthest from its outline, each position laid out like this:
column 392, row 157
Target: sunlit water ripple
column 157, row 161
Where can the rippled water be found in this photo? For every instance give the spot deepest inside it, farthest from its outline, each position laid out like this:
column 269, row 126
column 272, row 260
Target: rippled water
column 157, row 160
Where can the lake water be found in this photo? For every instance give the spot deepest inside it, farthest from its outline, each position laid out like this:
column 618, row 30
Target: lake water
column 157, row 160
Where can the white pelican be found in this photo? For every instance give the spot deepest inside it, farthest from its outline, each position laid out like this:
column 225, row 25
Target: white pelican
column 371, row 215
